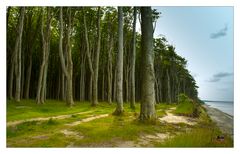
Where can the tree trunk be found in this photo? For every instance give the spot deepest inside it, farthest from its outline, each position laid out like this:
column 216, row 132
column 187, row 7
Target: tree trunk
column 63, row 97
column 157, row 90
column 147, row 113
column 90, row 88
column 22, row 74
column 96, row 60
column 82, row 79
column 17, row 52
column 110, row 69
column 133, row 57
column 103, row 86
column 69, row 68
column 30, row 50
column 168, row 88
column 119, row 82
column 41, row 92
column 28, row 80
column 88, row 58
column 115, row 85
column 11, row 81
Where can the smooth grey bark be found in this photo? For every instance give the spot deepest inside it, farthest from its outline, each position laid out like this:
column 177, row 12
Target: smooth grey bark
column 96, row 62
column 103, row 86
column 41, row 91
column 88, row 56
column 109, row 70
column 147, row 112
column 82, row 78
column 63, row 96
column 133, row 58
column 67, row 70
column 93, row 91
column 119, row 66
column 17, row 55
column 30, row 46
column 115, row 85
column 28, row 78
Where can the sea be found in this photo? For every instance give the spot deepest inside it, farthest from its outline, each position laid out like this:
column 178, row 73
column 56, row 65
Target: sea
column 224, row 106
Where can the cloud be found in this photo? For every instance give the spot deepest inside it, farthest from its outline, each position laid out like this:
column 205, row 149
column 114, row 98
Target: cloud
column 217, row 77
column 221, row 33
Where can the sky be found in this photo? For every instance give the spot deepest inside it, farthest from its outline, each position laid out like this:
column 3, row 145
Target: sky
column 204, row 36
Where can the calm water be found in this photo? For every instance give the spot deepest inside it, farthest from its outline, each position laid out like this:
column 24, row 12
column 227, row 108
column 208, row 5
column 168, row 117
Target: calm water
column 226, row 107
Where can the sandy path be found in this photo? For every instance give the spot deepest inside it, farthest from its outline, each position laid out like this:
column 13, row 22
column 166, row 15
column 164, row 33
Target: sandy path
column 171, row 118
column 223, row 120
column 13, row 123
column 88, row 119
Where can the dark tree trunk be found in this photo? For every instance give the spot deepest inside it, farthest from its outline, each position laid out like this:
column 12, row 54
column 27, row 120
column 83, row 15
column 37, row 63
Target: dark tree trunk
column 96, row 62
column 133, row 58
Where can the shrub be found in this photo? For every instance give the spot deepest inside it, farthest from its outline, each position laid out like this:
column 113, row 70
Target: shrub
column 187, row 106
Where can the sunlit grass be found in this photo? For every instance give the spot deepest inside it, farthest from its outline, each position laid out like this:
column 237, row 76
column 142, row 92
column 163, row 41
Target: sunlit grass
column 102, row 132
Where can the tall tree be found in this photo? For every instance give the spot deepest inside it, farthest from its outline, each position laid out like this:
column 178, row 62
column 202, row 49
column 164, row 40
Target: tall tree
column 147, row 112
column 33, row 32
column 119, row 66
column 109, row 64
column 69, row 68
column 133, row 57
column 17, row 54
column 41, row 91
column 96, row 61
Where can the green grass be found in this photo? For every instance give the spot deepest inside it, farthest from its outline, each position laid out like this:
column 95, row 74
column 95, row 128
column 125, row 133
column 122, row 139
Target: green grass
column 204, row 134
column 162, row 108
column 184, row 109
column 27, row 109
column 198, row 137
column 119, row 129
column 108, row 131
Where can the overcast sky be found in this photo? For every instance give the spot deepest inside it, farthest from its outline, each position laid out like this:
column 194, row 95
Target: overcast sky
column 204, row 36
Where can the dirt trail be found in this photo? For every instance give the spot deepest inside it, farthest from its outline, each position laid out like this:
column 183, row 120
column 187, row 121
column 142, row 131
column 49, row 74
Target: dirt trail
column 13, row 123
column 171, row 118
column 88, row 119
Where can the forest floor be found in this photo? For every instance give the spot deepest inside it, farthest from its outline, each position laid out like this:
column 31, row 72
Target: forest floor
column 55, row 125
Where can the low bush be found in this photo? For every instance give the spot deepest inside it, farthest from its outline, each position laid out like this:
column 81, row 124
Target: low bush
column 187, row 107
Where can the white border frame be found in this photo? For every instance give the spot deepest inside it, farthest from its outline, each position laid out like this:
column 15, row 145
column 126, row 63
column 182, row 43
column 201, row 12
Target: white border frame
column 234, row 3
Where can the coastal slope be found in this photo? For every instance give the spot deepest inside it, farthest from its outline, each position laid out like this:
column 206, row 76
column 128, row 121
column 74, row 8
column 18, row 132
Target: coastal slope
column 223, row 120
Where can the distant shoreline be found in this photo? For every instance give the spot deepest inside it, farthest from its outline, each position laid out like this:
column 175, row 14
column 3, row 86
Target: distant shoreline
column 227, row 114
column 226, row 107
column 223, row 120
column 217, row 101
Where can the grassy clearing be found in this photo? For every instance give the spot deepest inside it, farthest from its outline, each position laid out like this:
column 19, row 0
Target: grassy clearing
column 198, row 137
column 204, row 134
column 103, row 132
column 27, row 109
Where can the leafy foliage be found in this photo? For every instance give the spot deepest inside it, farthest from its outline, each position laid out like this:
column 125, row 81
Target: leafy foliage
column 187, row 106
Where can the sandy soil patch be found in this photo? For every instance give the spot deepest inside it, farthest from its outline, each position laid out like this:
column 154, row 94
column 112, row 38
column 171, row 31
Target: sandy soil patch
column 88, row 119
column 171, row 118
